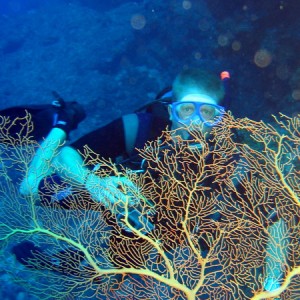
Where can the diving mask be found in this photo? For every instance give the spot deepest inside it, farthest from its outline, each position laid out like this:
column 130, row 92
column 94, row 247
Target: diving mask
column 195, row 108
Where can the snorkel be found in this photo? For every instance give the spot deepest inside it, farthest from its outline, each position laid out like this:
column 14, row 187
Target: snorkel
column 225, row 78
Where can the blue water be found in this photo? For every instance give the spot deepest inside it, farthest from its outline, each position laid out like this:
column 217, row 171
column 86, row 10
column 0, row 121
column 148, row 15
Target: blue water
column 114, row 56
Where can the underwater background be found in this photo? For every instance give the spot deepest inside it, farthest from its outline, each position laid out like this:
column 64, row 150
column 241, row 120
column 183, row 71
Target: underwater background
column 115, row 56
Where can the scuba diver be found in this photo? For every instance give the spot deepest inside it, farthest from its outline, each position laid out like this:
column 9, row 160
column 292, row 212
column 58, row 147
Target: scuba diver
column 196, row 97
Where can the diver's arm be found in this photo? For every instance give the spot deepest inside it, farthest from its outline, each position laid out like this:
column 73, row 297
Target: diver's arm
column 53, row 157
column 70, row 166
column 66, row 118
column 41, row 165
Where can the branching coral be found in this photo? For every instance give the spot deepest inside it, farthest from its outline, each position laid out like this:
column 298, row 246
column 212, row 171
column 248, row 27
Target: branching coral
column 215, row 204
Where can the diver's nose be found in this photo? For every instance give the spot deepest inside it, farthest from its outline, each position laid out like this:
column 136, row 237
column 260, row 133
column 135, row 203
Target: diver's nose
column 196, row 120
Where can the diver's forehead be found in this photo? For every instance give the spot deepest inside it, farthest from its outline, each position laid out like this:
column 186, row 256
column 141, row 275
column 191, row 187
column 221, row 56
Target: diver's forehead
column 198, row 98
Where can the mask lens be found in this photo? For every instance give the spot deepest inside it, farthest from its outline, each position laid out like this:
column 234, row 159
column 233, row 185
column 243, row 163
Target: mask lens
column 209, row 113
column 185, row 110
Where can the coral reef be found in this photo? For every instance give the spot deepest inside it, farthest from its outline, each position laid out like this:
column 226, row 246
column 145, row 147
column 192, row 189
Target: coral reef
column 225, row 210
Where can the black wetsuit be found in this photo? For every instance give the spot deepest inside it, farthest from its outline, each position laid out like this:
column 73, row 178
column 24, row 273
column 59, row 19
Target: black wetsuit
column 41, row 117
column 109, row 141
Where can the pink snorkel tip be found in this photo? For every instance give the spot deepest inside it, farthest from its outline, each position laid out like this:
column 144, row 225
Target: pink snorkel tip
column 225, row 75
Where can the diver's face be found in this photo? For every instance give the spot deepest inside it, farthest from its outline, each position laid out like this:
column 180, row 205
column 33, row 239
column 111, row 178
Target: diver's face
column 195, row 109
